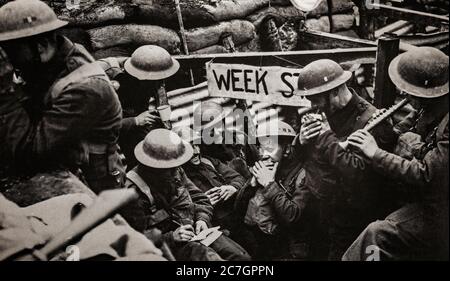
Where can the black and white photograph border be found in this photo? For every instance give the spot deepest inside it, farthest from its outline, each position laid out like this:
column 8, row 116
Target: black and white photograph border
column 251, row 132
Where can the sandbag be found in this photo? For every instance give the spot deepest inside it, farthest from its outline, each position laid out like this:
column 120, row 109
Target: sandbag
column 166, row 16
column 226, row 10
column 116, row 51
column 94, row 15
column 202, row 37
column 214, row 49
column 133, row 34
column 77, row 35
column 199, row 12
column 281, row 14
column 250, row 46
column 339, row 7
column 340, row 22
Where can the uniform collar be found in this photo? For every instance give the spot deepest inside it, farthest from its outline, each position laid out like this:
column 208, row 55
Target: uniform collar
column 65, row 50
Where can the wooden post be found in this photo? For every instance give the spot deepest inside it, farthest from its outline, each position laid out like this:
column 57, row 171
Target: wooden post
column 183, row 36
column 388, row 49
column 249, row 127
column 367, row 21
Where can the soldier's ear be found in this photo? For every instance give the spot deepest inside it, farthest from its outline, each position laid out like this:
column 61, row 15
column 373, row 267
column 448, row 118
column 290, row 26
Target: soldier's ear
column 45, row 51
column 46, row 46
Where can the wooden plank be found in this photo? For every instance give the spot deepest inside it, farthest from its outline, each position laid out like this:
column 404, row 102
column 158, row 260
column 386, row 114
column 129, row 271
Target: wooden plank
column 417, row 17
column 365, row 55
column 391, row 28
column 339, row 41
column 332, row 41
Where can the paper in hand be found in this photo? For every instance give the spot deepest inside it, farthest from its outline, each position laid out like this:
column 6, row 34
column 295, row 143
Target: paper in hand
column 207, row 236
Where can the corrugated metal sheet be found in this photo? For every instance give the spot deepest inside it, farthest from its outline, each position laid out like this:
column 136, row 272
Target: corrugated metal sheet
column 184, row 101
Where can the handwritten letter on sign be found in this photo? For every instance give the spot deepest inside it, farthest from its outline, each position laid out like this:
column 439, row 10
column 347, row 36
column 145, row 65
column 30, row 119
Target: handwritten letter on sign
column 271, row 84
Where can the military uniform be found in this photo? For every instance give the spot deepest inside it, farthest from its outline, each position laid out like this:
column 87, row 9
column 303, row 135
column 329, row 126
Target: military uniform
column 14, row 120
column 22, row 229
column 345, row 179
column 134, row 98
column 419, row 230
column 163, row 201
column 212, row 173
column 78, row 125
column 289, row 223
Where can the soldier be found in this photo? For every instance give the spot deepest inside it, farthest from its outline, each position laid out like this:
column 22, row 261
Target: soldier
column 334, row 174
column 418, row 230
column 279, row 210
column 171, row 202
column 217, row 180
column 140, row 78
column 13, row 118
column 74, row 110
column 218, row 140
column 24, row 229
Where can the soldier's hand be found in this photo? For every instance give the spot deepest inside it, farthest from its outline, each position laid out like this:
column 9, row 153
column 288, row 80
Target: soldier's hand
column 145, row 118
column 263, row 173
column 226, row 191
column 183, row 233
column 200, row 226
column 214, row 195
column 363, row 141
column 309, row 130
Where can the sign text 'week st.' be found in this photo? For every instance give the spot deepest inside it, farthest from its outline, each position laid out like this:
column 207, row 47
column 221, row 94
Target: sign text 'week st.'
column 270, row 84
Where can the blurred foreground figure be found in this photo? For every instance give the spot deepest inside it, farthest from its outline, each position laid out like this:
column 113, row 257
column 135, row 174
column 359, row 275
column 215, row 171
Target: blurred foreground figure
column 419, row 230
column 74, row 113
column 28, row 228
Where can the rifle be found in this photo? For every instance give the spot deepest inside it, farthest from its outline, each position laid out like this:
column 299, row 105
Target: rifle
column 106, row 205
column 380, row 117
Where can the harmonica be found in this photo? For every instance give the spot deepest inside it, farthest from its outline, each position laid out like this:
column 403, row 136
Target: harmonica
column 380, row 117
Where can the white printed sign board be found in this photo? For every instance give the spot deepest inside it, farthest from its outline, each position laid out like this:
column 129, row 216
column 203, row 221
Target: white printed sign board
column 270, row 84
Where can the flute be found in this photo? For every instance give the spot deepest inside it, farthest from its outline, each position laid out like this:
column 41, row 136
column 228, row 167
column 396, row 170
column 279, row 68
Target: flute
column 380, row 117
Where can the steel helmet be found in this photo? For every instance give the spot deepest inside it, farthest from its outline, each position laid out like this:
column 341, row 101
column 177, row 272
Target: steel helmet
column 275, row 128
column 321, row 76
column 421, row 72
column 210, row 113
column 163, row 149
column 151, row 62
column 187, row 134
column 25, row 18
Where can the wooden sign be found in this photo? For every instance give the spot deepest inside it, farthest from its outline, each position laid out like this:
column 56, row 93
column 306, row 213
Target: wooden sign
column 270, row 84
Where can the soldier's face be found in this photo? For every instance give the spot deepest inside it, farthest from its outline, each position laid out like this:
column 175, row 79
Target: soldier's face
column 421, row 103
column 168, row 173
column 271, row 148
column 319, row 101
column 196, row 160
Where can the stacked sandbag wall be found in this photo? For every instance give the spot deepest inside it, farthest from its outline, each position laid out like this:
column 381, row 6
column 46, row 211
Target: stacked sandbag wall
column 118, row 27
